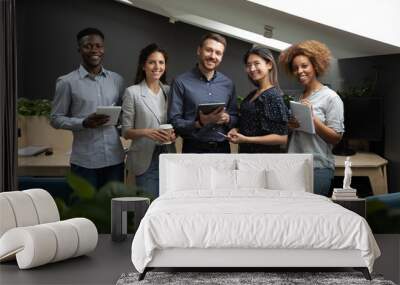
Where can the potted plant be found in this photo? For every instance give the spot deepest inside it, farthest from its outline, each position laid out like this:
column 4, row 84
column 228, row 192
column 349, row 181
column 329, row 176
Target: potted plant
column 34, row 123
column 95, row 205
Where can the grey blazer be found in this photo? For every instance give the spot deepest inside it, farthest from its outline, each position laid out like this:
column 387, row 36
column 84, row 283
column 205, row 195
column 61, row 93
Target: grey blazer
column 138, row 113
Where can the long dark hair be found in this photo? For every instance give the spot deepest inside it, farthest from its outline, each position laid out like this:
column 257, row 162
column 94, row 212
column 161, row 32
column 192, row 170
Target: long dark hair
column 265, row 54
column 144, row 55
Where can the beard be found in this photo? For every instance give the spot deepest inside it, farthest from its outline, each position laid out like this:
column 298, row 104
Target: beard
column 209, row 64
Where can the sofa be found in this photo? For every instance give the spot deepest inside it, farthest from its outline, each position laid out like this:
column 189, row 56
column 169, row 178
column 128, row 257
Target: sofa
column 31, row 231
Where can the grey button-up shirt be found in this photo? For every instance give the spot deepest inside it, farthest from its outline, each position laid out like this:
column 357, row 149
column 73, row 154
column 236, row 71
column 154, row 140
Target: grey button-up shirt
column 77, row 95
column 191, row 89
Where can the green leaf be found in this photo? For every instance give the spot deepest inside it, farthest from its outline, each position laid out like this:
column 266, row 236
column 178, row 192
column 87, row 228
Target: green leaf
column 38, row 107
column 62, row 208
column 239, row 100
column 82, row 189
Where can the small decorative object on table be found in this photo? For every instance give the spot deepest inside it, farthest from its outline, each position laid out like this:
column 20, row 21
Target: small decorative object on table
column 119, row 208
column 347, row 196
column 345, row 193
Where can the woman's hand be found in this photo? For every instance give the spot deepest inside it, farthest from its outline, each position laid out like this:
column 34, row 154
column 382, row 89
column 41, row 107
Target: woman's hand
column 235, row 137
column 172, row 137
column 232, row 132
column 308, row 104
column 293, row 123
column 157, row 135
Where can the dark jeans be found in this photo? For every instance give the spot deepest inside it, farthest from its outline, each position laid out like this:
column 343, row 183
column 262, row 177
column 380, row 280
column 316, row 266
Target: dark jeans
column 193, row 146
column 322, row 181
column 98, row 177
column 149, row 181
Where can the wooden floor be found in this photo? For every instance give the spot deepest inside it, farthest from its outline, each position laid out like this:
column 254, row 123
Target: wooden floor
column 110, row 259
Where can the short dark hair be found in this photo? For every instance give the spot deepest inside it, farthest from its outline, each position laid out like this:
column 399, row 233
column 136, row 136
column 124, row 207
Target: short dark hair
column 88, row 31
column 144, row 55
column 213, row 36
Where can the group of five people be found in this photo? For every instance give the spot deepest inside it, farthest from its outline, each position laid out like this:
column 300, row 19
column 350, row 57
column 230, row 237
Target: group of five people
column 261, row 124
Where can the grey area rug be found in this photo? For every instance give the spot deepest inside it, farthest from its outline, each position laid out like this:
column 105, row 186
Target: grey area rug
column 243, row 278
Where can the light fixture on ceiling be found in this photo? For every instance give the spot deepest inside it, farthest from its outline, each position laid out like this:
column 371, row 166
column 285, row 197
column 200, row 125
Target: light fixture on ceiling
column 268, row 31
column 126, row 2
column 232, row 31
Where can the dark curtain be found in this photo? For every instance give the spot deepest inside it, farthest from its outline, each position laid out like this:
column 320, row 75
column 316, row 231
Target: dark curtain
column 8, row 96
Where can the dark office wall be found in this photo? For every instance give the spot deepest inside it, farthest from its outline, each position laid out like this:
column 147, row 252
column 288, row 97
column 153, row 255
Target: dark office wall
column 47, row 47
column 386, row 69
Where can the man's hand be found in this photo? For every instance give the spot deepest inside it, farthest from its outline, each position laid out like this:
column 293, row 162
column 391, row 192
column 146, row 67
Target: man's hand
column 218, row 116
column 95, row 120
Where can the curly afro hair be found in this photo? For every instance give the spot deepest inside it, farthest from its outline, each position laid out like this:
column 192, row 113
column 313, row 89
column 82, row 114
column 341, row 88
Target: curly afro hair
column 318, row 53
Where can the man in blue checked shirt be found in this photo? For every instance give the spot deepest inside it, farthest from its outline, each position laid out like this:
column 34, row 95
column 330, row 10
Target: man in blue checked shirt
column 97, row 154
column 204, row 133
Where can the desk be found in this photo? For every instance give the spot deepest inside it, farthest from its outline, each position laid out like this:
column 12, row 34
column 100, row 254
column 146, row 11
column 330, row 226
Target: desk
column 366, row 164
column 56, row 164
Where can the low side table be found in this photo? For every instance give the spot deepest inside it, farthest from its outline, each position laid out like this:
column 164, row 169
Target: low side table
column 357, row 205
column 119, row 208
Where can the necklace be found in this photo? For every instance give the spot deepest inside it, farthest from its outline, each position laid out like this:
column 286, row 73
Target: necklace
column 316, row 90
column 312, row 92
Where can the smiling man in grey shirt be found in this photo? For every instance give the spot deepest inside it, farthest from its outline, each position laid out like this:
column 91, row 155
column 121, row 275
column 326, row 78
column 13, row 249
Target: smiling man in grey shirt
column 97, row 153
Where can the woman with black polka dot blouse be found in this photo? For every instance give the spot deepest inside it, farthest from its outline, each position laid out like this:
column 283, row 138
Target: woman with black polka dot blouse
column 263, row 114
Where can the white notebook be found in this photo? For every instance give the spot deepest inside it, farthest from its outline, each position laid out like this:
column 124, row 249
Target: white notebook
column 32, row 150
column 303, row 115
column 111, row 111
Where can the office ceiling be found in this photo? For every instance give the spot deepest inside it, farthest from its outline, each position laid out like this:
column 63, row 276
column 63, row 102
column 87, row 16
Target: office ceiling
column 246, row 20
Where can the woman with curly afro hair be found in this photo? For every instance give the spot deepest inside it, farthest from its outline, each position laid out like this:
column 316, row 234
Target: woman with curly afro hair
column 307, row 61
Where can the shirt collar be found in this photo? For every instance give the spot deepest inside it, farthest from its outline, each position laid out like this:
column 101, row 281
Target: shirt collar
column 199, row 74
column 84, row 73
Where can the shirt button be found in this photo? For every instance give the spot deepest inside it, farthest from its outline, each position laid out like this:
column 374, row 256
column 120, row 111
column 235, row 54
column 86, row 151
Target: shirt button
column 209, row 94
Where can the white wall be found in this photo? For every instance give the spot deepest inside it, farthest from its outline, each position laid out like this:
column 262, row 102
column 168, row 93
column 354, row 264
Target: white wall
column 344, row 41
column 375, row 19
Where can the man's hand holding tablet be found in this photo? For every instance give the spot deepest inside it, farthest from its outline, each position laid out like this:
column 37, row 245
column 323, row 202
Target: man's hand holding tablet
column 208, row 108
column 104, row 116
column 95, row 120
column 212, row 113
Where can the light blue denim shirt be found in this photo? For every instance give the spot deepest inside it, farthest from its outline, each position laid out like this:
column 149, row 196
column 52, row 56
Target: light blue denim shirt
column 77, row 95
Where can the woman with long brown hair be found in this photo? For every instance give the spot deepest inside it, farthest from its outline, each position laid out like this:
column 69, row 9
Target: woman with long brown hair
column 144, row 109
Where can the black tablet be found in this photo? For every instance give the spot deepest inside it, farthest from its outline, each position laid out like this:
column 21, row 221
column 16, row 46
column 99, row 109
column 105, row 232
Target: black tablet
column 207, row 108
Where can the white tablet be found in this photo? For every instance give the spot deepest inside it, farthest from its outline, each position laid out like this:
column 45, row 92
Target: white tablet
column 111, row 111
column 303, row 115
